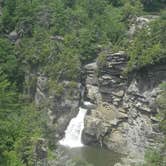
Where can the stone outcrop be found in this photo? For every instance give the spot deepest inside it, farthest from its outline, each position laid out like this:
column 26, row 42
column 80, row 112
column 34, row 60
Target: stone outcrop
column 125, row 119
column 60, row 106
column 140, row 23
column 64, row 107
column 91, row 83
column 41, row 90
column 13, row 36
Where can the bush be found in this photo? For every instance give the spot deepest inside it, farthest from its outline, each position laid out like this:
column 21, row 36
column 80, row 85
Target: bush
column 153, row 158
column 102, row 60
column 148, row 47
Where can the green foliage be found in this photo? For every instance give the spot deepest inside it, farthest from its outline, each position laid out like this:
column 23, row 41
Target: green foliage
column 72, row 84
column 153, row 158
column 95, row 7
column 8, row 61
column 56, row 38
column 163, row 86
column 18, row 125
column 11, row 159
column 161, row 100
column 131, row 9
column 102, row 60
column 148, row 47
column 56, row 87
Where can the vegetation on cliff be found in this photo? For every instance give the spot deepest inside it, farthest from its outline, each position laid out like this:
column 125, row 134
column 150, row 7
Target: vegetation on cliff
column 20, row 126
column 156, row 157
column 55, row 38
column 148, row 46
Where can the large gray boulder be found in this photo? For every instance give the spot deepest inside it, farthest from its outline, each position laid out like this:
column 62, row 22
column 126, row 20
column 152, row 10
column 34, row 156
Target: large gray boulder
column 13, row 36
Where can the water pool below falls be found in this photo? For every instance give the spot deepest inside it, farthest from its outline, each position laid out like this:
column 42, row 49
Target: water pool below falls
column 72, row 146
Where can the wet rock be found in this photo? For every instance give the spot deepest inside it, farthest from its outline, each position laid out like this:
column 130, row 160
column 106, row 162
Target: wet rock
column 89, row 106
column 60, row 108
column 65, row 106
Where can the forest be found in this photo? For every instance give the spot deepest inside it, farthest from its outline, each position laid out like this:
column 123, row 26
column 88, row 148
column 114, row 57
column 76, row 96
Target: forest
column 57, row 38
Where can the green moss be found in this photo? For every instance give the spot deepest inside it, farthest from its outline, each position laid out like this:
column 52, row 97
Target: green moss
column 72, row 84
column 102, row 60
column 56, row 88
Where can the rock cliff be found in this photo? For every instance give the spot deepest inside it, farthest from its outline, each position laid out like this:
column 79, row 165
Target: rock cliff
column 125, row 119
column 60, row 105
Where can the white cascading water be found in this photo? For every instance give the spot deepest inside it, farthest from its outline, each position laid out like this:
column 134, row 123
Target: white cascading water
column 74, row 130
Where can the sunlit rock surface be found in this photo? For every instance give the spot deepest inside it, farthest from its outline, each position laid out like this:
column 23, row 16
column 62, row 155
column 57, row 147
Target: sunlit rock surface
column 124, row 120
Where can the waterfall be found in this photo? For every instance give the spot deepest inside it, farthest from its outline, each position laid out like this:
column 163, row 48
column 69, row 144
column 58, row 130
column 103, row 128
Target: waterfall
column 74, row 130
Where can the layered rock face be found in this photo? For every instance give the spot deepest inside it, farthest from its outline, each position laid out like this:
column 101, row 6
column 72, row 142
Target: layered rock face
column 124, row 120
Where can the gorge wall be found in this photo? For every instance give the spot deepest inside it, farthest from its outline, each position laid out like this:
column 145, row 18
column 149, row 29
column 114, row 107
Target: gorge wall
column 60, row 107
column 125, row 118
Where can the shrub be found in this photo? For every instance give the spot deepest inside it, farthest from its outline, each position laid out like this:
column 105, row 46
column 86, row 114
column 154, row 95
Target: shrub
column 148, row 47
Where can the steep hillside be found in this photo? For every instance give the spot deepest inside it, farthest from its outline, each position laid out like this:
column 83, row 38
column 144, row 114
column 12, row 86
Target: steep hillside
column 45, row 46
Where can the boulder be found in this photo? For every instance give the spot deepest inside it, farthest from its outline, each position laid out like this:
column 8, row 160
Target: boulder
column 91, row 74
column 91, row 67
column 13, row 36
